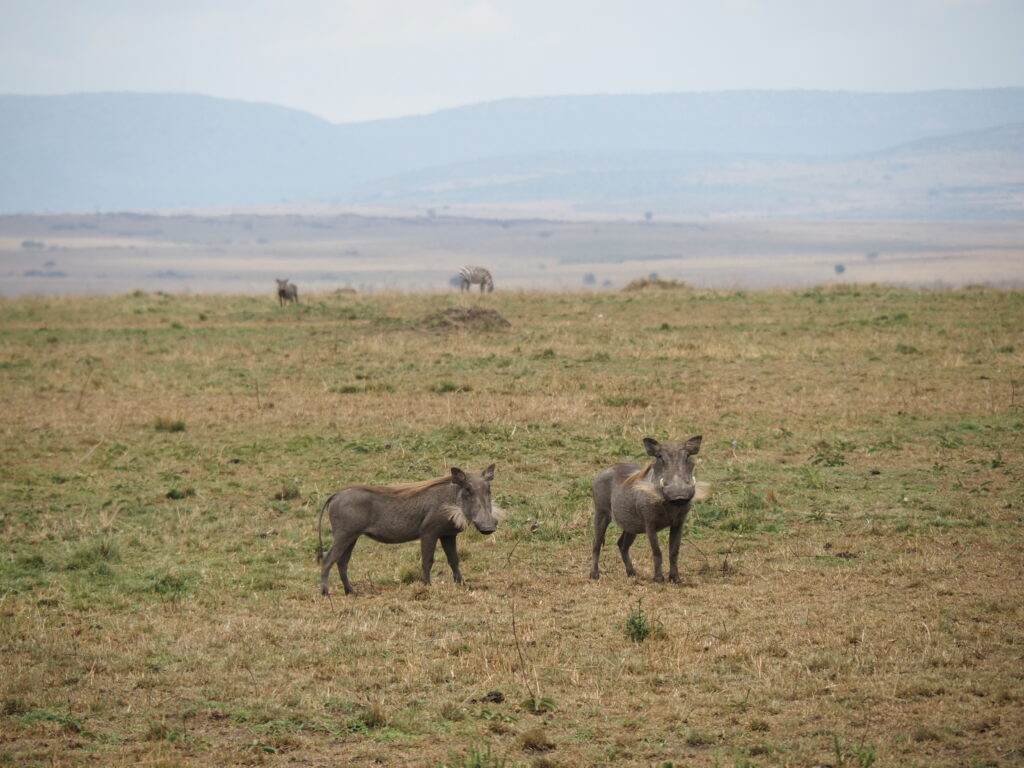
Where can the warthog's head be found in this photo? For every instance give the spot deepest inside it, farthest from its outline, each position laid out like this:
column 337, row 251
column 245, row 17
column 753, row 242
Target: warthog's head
column 474, row 498
column 671, row 472
column 282, row 285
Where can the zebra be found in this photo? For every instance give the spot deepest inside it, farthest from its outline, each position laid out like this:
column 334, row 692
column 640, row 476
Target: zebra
column 468, row 276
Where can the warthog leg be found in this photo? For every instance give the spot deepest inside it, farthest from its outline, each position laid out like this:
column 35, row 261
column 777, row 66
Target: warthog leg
column 340, row 552
column 427, row 546
column 452, row 553
column 675, row 536
column 652, row 537
column 601, row 520
column 625, row 542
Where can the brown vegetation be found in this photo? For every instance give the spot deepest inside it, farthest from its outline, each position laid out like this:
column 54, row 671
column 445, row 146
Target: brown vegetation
column 851, row 592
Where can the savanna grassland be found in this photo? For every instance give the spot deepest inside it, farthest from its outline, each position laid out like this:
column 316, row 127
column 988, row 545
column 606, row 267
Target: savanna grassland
column 852, row 589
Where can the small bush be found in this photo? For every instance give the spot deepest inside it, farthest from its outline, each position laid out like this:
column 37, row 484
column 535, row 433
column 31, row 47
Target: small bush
column 639, row 627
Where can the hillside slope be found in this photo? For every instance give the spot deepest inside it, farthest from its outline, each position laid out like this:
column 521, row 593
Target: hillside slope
column 141, row 151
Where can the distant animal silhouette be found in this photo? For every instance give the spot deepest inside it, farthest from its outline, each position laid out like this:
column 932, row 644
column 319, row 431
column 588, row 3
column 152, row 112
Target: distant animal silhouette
column 470, row 276
column 286, row 291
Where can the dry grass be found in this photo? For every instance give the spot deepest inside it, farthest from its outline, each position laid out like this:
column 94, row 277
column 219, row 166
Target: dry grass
column 851, row 590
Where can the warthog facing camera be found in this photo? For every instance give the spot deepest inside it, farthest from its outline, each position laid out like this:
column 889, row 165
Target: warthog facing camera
column 646, row 500
column 286, row 291
column 434, row 509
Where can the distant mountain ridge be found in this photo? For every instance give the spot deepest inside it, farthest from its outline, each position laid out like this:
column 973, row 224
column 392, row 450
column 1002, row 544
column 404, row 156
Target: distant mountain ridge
column 692, row 154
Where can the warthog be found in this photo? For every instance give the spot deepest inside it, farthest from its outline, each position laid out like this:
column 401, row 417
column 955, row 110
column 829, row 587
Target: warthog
column 428, row 511
column 646, row 500
column 286, row 291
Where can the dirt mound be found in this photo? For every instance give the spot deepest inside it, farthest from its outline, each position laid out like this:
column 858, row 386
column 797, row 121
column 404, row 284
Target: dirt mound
column 465, row 318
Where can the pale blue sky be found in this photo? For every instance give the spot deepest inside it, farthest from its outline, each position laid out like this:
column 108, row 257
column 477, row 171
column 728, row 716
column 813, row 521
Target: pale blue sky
column 348, row 60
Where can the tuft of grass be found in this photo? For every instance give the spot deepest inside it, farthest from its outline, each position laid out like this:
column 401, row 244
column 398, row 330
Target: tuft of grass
column 372, row 716
column 626, row 402
column 93, row 557
column 478, row 758
column 536, row 739
column 169, row 425
column 831, row 454
column 444, row 387
column 698, row 738
column 287, row 492
column 65, row 721
column 538, row 704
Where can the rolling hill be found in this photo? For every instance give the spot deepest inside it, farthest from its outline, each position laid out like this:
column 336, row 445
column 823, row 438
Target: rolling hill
column 942, row 154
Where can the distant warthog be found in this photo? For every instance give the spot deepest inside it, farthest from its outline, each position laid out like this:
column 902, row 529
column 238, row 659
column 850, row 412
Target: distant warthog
column 428, row 511
column 646, row 500
column 286, row 291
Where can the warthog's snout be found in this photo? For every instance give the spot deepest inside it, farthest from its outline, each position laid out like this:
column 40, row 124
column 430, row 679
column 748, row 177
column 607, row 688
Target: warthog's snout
column 487, row 530
column 677, row 493
column 682, row 498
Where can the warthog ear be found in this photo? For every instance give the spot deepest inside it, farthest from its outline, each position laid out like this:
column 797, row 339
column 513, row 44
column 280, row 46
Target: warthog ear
column 459, row 477
column 652, row 446
column 489, row 473
column 692, row 445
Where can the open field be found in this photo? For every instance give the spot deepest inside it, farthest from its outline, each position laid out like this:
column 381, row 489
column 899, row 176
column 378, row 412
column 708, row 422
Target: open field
column 322, row 250
column 852, row 589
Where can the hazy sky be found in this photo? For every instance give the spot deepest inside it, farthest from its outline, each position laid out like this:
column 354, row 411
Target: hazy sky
column 349, row 60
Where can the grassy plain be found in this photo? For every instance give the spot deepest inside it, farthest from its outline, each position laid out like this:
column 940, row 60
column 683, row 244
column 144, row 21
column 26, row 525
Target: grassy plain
column 320, row 251
column 852, row 590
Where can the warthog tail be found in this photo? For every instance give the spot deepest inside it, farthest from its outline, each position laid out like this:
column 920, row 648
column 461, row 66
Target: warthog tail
column 320, row 531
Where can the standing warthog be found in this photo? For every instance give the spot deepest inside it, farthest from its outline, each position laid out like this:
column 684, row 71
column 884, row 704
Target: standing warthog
column 286, row 291
column 646, row 500
column 428, row 511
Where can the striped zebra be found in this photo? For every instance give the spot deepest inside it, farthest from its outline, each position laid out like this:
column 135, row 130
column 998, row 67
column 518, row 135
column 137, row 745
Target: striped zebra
column 469, row 276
